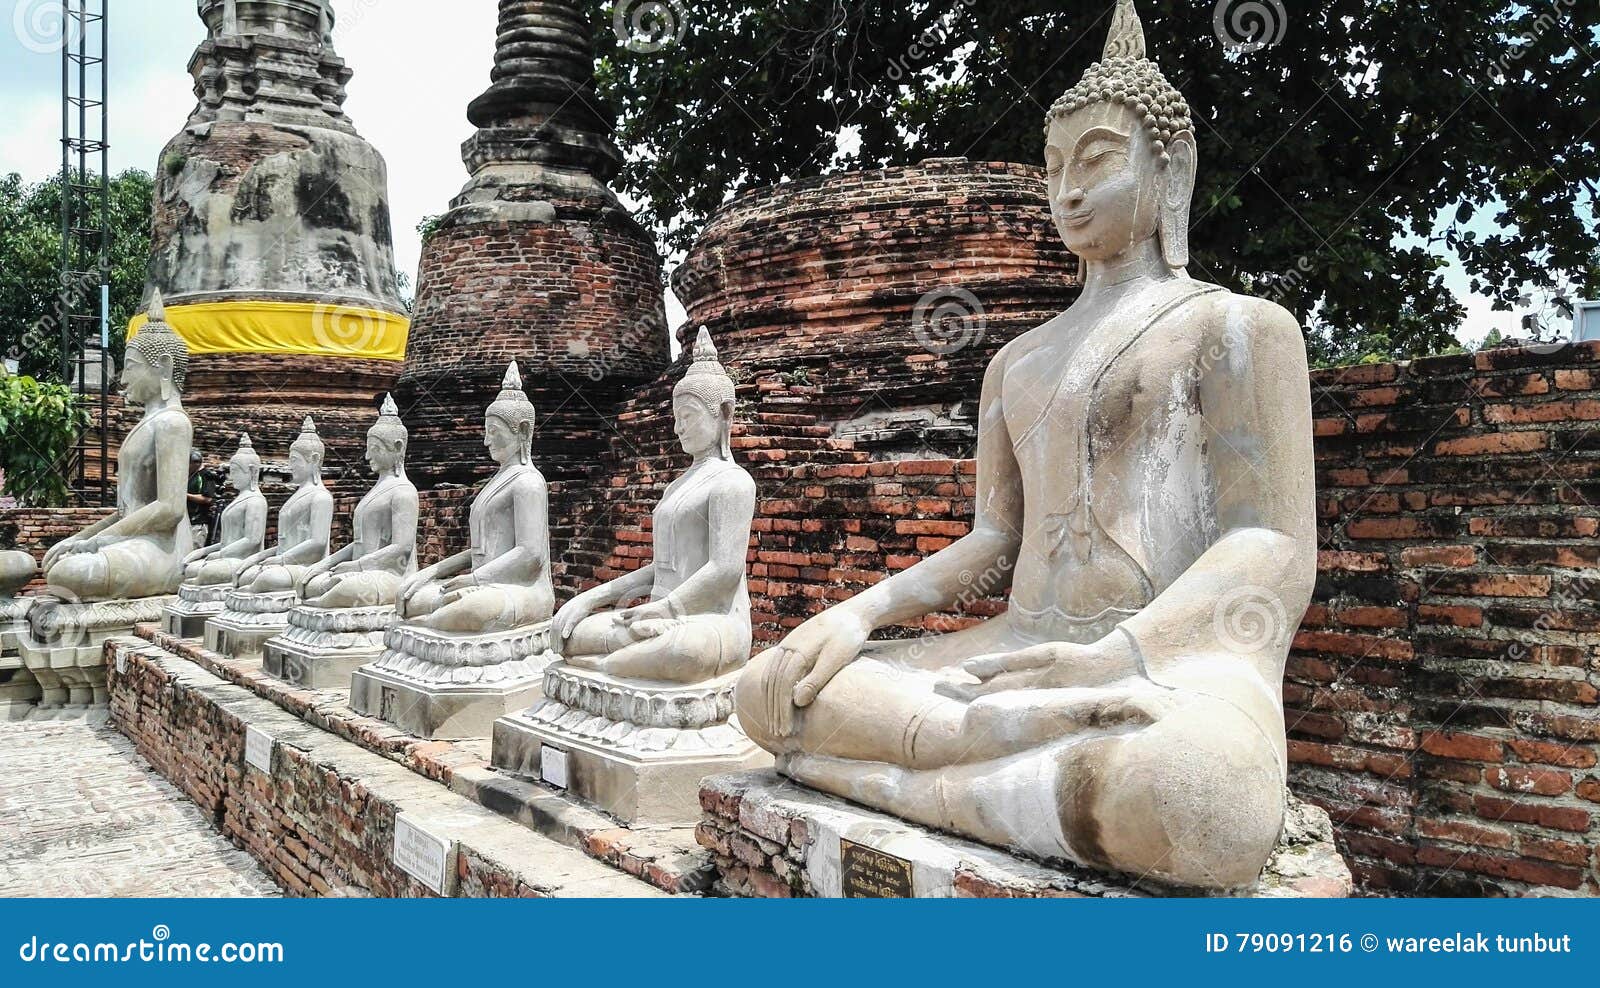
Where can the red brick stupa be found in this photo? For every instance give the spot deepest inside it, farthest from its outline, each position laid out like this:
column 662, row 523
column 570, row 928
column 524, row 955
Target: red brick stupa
column 536, row 261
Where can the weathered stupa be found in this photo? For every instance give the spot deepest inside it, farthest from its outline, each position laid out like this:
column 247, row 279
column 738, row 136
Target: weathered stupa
column 537, row 261
column 271, row 237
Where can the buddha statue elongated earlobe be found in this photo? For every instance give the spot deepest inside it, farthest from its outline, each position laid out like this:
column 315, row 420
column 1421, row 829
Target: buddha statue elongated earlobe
column 1177, row 192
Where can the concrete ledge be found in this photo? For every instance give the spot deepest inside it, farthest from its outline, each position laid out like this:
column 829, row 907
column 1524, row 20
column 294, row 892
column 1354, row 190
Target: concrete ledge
column 774, row 838
column 667, row 858
column 323, row 816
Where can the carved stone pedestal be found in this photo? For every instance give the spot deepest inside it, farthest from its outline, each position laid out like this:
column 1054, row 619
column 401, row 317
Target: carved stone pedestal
column 247, row 621
column 634, row 750
column 439, row 685
column 323, row 647
column 195, row 605
column 772, row 837
column 13, row 623
column 63, row 649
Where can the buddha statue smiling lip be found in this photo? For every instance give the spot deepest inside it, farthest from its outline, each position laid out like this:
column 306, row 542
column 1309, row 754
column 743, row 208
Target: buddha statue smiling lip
column 1144, row 465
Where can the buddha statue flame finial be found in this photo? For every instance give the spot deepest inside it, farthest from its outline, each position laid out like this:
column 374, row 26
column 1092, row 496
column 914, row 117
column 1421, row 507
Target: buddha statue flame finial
column 389, row 425
column 246, row 453
column 512, row 404
column 309, row 442
column 706, row 379
column 156, row 340
column 1127, row 33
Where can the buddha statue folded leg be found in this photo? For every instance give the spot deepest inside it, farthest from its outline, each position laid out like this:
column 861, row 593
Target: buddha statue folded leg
column 1137, row 778
column 275, row 578
column 213, row 572
column 132, row 568
column 482, row 609
column 691, row 649
column 372, row 588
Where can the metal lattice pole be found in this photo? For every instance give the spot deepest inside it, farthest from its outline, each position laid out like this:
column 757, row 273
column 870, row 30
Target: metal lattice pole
column 84, row 300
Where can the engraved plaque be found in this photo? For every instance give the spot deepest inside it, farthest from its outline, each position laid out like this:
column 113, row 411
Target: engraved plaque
column 258, row 749
column 422, row 855
column 553, row 766
column 867, row 873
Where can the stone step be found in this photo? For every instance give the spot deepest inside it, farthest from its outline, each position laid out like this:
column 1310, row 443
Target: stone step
column 324, row 819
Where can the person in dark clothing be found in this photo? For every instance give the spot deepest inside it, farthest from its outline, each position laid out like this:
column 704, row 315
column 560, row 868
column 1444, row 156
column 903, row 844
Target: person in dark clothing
column 202, row 499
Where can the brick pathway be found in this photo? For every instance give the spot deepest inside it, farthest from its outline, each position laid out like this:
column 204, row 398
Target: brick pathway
column 81, row 814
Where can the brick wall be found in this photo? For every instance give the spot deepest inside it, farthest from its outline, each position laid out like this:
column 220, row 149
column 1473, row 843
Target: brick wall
column 576, row 301
column 1442, row 697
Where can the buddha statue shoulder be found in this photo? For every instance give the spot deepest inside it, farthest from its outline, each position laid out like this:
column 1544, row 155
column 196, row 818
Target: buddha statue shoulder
column 305, row 522
column 242, row 528
column 1145, row 489
column 383, row 553
column 503, row 581
column 695, row 624
column 139, row 550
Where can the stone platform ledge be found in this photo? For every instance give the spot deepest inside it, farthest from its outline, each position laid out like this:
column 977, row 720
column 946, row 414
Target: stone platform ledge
column 774, row 838
column 667, row 858
column 324, row 815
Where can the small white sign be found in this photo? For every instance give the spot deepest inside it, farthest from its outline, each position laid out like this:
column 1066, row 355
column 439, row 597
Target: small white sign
column 122, row 662
column 422, row 855
column 258, row 749
column 553, row 766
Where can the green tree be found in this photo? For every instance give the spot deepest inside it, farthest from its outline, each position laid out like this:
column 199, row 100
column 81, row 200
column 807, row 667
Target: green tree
column 30, row 263
column 1340, row 165
column 39, row 422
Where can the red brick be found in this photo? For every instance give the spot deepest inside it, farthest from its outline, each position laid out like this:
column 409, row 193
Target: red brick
column 1546, row 753
column 1467, row 746
column 1534, row 781
column 1523, row 811
column 1438, row 555
column 1548, row 411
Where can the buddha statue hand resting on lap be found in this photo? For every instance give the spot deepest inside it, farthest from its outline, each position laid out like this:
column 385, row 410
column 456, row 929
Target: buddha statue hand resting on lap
column 139, row 551
column 305, row 523
column 1144, row 468
column 696, row 623
column 369, row 571
column 503, row 581
column 242, row 528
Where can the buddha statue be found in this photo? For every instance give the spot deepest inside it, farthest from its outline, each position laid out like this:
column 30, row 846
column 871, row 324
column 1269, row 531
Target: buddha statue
column 139, row 550
column 473, row 628
column 122, row 570
column 1145, row 491
column 209, row 571
column 256, row 607
column 347, row 600
column 641, row 699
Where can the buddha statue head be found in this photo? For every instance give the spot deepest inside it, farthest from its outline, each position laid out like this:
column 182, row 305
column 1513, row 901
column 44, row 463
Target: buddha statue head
column 508, row 424
column 702, row 403
column 386, row 440
column 157, row 363
column 305, row 454
column 1121, row 155
column 244, row 470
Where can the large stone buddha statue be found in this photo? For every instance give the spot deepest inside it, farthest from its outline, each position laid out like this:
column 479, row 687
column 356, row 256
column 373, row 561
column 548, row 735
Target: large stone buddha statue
column 122, row 570
column 472, row 632
column 209, row 570
column 1145, row 489
column 638, row 709
column 347, row 600
column 263, row 592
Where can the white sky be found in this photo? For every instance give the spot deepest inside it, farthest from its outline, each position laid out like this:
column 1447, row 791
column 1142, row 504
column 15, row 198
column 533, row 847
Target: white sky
column 417, row 64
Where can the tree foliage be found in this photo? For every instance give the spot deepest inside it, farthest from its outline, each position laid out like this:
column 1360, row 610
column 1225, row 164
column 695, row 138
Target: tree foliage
column 39, row 422
column 1340, row 167
column 30, row 265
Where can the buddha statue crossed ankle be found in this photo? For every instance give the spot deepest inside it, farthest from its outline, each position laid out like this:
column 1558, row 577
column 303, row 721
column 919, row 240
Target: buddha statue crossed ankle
column 1144, row 482
column 370, row 570
column 305, row 523
column 696, row 624
column 242, row 527
column 503, row 581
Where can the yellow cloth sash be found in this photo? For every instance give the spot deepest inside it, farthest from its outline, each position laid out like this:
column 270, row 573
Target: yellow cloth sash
column 286, row 327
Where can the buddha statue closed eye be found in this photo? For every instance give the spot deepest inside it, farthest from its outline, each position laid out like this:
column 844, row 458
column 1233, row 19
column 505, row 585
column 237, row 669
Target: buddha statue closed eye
column 1144, row 472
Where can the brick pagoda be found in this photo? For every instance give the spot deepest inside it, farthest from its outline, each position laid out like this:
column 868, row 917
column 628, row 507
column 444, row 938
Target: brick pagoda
column 271, row 238
column 536, row 260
